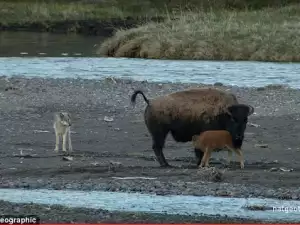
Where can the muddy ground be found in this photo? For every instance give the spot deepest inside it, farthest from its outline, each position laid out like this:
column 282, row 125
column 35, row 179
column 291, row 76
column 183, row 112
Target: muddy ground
column 105, row 151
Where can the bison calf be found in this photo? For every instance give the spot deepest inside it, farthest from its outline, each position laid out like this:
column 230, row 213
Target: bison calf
column 214, row 140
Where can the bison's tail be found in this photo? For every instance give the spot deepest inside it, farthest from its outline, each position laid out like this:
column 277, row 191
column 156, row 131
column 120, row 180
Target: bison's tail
column 133, row 96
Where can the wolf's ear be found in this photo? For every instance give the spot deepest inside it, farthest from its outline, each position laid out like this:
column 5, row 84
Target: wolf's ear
column 61, row 115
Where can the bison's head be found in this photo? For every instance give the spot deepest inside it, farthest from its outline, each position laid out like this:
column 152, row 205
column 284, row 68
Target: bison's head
column 237, row 123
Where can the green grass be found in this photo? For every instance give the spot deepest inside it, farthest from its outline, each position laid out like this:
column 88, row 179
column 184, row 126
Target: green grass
column 39, row 11
column 261, row 35
column 24, row 12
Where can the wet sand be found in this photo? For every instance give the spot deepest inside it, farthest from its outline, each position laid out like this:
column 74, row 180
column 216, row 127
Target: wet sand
column 105, row 151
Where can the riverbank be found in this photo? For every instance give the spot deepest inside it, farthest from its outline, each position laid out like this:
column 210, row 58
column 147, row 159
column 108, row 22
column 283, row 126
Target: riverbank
column 97, row 17
column 60, row 214
column 262, row 35
column 110, row 141
column 89, row 18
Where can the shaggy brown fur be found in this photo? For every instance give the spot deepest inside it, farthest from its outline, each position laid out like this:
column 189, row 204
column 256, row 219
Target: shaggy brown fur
column 213, row 140
column 192, row 104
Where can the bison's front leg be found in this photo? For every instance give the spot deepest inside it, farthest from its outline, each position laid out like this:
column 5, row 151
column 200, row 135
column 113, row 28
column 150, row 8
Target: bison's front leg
column 160, row 157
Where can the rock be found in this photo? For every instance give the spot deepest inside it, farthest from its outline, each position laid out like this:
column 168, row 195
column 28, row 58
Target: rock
column 108, row 119
column 253, row 125
column 218, row 84
column 260, row 88
column 282, row 169
column 261, row 145
column 67, row 158
column 285, row 169
column 273, row 169
column 10, row 88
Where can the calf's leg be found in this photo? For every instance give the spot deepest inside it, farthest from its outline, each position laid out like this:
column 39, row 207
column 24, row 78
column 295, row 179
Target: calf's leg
column 229, row 156
column 240, row 155
column 204, row 158
column 208, row 157
column 241, row 158
column 199, row 155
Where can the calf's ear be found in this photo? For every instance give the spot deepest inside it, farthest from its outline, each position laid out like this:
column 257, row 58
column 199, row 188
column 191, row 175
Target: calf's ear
column 240, row 110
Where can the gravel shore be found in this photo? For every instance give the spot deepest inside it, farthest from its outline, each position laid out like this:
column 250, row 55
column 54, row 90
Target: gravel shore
column 106, row 150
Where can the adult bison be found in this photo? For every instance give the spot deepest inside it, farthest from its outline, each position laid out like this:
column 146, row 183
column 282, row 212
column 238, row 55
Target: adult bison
column 190, row 112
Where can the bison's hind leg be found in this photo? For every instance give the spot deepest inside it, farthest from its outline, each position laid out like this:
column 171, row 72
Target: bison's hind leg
column 159, row 138
column 158, row 133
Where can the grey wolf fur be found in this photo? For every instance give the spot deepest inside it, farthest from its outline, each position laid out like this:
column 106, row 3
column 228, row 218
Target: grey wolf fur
column 213, row 140
column 190, row 112
column 62, row 127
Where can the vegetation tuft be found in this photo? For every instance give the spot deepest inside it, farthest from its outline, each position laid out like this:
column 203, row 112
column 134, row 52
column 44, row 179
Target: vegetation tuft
column 261, row 35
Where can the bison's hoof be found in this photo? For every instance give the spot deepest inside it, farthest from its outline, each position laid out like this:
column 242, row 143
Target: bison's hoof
column 165, row 165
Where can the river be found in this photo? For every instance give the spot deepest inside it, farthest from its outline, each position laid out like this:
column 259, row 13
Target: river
column 45, row 55
column 272, row 209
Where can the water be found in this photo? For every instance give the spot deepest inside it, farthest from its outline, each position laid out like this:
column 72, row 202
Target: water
column 47, row 44
column 176, row 204
column 67, row 61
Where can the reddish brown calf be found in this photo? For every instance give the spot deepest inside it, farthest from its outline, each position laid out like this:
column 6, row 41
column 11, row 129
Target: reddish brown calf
column 212, row 140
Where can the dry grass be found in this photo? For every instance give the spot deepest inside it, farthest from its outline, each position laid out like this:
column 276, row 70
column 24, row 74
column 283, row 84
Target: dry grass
column 263, row 35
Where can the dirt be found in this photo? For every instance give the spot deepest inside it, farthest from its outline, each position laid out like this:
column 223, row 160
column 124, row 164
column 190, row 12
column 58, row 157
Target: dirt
column 105, row 151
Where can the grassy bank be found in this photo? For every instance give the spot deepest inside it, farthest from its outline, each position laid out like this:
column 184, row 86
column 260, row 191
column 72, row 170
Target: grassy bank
column 97, row 17
column 94, row 16
column 262, row 35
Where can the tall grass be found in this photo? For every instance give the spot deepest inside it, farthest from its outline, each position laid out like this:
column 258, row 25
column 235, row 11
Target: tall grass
column 262, row 35
column 38, row 11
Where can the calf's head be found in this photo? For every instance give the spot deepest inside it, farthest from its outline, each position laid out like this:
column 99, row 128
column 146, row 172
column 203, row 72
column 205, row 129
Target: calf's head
column 238, row 118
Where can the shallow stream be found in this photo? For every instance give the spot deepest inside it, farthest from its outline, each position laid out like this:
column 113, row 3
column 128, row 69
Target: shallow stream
column 280, row 210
